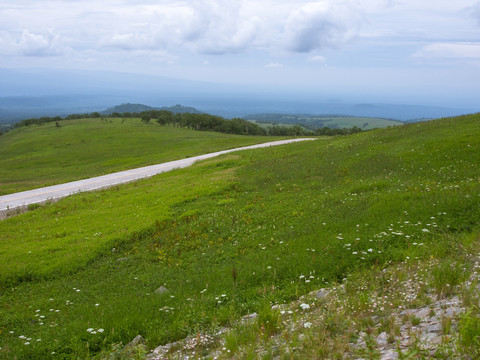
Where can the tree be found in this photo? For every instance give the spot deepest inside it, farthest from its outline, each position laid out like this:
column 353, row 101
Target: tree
column 146, row 118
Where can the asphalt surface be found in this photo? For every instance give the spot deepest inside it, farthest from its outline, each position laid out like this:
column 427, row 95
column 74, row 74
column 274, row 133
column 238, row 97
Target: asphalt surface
column 18, row 200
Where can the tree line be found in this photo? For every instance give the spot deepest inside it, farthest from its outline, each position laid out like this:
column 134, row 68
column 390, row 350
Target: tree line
column 200, row 122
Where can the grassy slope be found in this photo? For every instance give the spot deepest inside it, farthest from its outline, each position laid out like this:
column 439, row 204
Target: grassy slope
column 253, row 226
column 36, row 156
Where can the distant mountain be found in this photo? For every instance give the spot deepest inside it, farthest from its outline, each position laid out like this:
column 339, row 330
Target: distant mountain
column 137, row 108
column 128, row 108
column 244, row 106
column 28, row 93
column 6, row 116
column 16, row 108
column 179, row 109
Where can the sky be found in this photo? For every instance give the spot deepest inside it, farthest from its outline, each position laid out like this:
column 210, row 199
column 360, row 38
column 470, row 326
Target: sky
column 410, row 50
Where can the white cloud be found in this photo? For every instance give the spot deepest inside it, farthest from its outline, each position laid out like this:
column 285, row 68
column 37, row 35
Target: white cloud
column 128, row 41
column 223, row 26
column 275, row 65
column 220, row 26
column 475, row 12
column 144, row 35
column 450, row 51
column 196, row 26
column 199, row 26
column 7, row 43
column 32, row 44
column 322, row 24
column 317, row 59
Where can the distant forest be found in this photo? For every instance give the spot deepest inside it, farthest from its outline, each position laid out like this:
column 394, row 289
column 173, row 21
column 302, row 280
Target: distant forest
column 201, row 122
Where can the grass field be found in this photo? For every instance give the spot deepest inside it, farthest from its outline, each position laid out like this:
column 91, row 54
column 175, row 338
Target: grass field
column 334, row 121
column 37, row 156
column 364, row 123
column 231, row 236
column 268, row 125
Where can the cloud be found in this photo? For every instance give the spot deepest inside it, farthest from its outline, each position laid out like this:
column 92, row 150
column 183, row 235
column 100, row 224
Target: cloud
column 199, row 26
column 220, row 26
column 450, row 51
column 475, row 12
column 32, row 44
column 185, row 29
column 322, row 24
column 6, row 43
column 178, row 26
column 317, row 59
column 228, row 27
column 274, row 66
column 129, row 42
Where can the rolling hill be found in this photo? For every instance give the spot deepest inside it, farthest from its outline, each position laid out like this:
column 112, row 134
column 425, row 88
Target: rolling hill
column 41, row 155
column 191, row 252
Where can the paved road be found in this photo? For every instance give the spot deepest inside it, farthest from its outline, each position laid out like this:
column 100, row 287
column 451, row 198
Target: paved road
column 13, row 201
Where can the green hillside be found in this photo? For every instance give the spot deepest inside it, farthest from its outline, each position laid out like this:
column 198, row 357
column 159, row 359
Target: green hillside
column 36, row 156
column 234, row 235
column 319, row 121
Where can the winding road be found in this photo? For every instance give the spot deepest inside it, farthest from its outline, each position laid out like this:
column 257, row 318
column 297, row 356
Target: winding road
column 18, row 200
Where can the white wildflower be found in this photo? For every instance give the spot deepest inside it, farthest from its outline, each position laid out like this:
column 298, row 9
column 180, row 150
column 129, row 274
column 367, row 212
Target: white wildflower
column 304, row 306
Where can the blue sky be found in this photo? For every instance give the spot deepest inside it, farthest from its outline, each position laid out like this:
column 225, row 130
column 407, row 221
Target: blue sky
column 410, row 50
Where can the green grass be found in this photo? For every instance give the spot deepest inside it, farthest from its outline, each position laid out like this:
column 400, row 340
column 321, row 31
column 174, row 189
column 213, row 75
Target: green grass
column 446, row 276
column 37, row 156
column 233, row 235
column 469, row 330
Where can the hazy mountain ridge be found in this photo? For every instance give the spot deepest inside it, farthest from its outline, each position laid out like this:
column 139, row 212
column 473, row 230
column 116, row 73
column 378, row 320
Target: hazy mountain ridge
column 13, row 109
column 137, row 108
column 30, row 93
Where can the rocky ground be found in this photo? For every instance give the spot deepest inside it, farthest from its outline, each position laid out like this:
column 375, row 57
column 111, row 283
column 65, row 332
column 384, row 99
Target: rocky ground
column 410, row 310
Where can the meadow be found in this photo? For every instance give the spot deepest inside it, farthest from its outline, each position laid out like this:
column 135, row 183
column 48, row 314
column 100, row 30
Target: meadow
column 41, row 155
column 332, row 121
column 232, row 236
